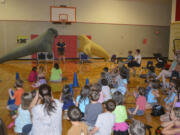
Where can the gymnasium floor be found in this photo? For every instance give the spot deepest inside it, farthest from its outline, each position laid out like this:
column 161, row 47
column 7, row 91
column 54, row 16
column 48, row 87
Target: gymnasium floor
column 91, row 71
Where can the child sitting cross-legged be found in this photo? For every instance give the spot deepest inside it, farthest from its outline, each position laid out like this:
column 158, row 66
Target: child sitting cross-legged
column 140, row 103
column 169, row 100
column 23, row 117
column 137, row 128
column 152, row 96
column 67, row 99
column 172, row 127
column 78, row 127
column 106, row 90
column 93, row 109
column 83, row 99
column 17, row 95
column 105, row 121
column 120, row 126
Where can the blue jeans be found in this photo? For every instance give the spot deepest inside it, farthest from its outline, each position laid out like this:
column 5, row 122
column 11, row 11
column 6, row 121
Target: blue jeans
column 139, row 112
column 13, row 107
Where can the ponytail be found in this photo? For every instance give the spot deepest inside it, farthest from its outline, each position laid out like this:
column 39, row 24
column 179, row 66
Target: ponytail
column 48, row 102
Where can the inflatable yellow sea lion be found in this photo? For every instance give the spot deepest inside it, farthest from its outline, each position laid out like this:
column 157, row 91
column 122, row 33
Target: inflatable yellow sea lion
column 91, row 49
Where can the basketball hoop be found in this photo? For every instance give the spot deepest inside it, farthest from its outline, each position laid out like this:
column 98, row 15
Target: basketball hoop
column 62, row 15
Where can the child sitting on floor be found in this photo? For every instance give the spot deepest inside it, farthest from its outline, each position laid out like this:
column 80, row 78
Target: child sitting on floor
column 108, row 76
column 106, row 90
column 56, row 74
column 172, row 127
column 83, row 99
column 105, row 121
column 169, row 100
column 23, row 118
column 152, row 96
column 137, row 128
column 67, row 99
column 140, row 103
column 177, row 98
column 121, row 84
column 41, row 78
column 17, row 95
column 120, row 126
column 130, row 58
column 33, row 75
column 93, row 109
column 78, row 127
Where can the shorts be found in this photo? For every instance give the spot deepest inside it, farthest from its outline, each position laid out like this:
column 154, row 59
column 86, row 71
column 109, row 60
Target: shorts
column 13, row 107
column 139, row 112
column 61, row 53
column 121, row 132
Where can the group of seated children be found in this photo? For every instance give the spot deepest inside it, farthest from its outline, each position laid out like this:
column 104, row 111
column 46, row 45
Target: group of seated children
column 39, row 78
column 97, row 110
column 89, row 113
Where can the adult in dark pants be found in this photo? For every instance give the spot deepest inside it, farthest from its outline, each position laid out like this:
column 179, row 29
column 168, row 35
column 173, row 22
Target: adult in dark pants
column 61, row 49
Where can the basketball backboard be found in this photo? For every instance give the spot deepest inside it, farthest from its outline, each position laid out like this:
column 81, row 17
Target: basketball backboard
column 62, row 14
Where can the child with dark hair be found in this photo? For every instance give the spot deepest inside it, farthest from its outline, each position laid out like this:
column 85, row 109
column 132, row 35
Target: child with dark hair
column 140, row 103
column 177, row 98
column 78, row 127
column 106, row 90
column 137, row 61
column 17, row 95
column 67, row 99
column 105, row 121
column 2, row 128
column 130, row 58
column 120, row 126
column 169, row 101
column 83, row 99
column 56, row 74
column 93, row 109
column 46, row 113
column 122, row 84
column 108, row 76
column 24, row 117
column 103, row 76
column 33, row 75
column 137, row 128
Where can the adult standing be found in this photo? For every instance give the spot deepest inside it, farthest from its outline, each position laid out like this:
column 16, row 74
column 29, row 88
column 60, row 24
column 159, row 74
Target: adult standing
column 46, row 113
column 61, row 49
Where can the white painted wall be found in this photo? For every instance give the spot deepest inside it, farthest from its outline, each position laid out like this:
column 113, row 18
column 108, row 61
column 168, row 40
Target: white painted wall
column 141, row 12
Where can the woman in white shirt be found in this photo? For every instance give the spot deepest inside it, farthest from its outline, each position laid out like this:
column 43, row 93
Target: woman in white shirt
column 46, row 113
column 137, row 61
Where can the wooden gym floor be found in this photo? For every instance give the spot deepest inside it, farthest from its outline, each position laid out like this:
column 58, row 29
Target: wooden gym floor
column 91, row 71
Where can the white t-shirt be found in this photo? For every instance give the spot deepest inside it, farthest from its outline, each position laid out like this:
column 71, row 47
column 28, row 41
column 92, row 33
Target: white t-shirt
column 106, row 93
column 105, row 123
column 43, row 124
column 138, row 58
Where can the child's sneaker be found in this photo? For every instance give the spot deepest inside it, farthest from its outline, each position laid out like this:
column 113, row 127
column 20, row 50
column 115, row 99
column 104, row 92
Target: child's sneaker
column 11, row 125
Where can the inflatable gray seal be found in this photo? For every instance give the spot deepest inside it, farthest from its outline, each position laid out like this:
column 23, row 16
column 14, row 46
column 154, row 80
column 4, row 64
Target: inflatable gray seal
column 42, row 43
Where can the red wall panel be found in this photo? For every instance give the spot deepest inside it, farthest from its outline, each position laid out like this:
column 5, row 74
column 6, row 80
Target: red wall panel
column 71, row 46
column 177, row 10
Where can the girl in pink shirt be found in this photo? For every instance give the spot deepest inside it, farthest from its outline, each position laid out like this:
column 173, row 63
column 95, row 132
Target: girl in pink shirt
column 140, row 103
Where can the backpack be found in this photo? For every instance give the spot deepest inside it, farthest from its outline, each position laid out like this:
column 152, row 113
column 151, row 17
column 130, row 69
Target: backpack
column 157, row 110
